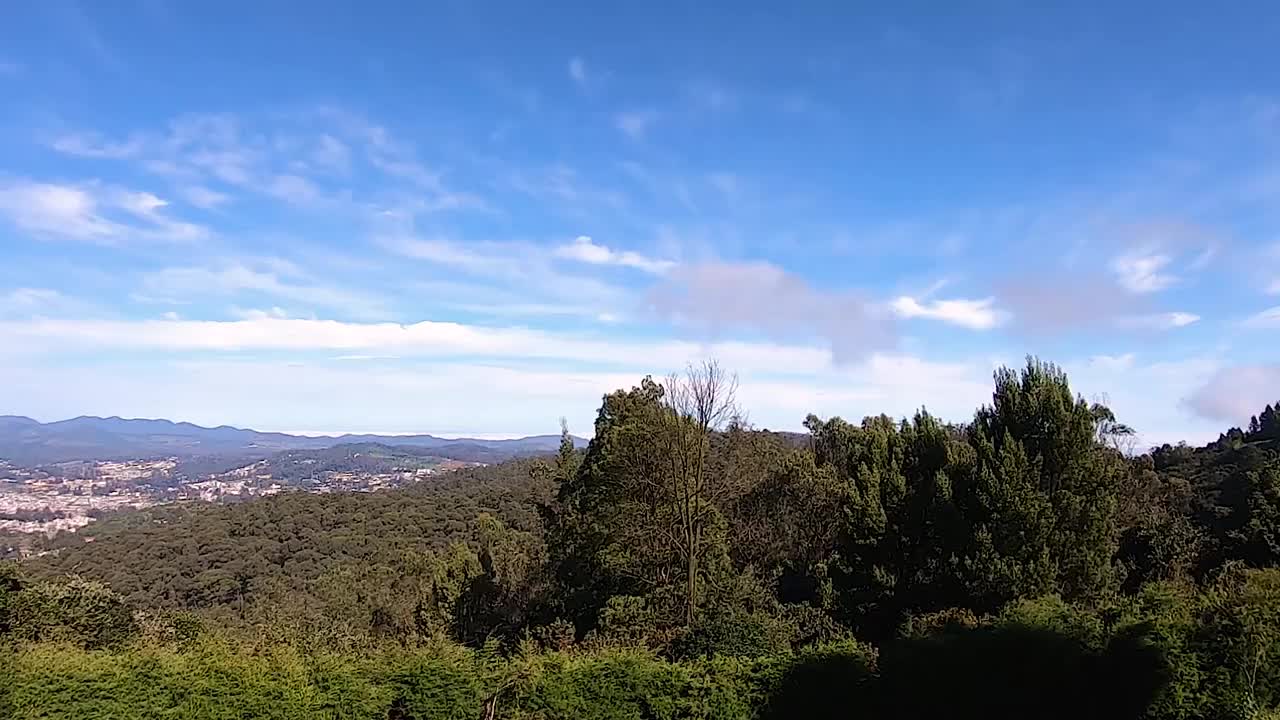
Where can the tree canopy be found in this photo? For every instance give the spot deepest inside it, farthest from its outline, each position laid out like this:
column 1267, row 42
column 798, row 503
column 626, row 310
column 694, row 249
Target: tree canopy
column 1030, row 530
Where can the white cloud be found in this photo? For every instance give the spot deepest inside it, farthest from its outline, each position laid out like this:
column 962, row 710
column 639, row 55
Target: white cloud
column 1053, row 303
column 723, row 297
column 1235, row 393
column 142, row 204
column 1141, row 272
column 1269, row 318
column 202, row 197
column 90, row 145
column 578, row 70
column 474, row 257
column 277, row 313
column 726, row 183
column 1159, row 321
column 422, row 339
column 407, row 390
column 332, row 154
column 1274, row 288
column 500, row 266
column 287, row 157
column 234, row 278
column 584, row 250
column 364, row 358
column 973, row 314
column 526, row 309
column 1112, row 362
column 635, row 123
column 293, row 189
column 399, row 392
column 63, row 210
column 30, row 297
column 1148, row 395
column 29, row 302
column 91, row 212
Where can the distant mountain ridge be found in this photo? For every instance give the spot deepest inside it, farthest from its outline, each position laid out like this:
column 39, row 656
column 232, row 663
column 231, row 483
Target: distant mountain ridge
column 28, row 442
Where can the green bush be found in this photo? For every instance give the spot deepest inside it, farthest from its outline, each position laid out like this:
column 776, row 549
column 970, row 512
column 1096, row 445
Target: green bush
column 58, row 681
column 734, row 635
column 616, row 685
column 79, row 611
column 444, row 684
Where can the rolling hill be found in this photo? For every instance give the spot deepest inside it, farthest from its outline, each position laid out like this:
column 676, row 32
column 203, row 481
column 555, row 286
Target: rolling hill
column 26, row 441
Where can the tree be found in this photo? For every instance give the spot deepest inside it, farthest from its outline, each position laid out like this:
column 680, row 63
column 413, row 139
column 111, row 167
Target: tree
column 1045, row 488
column 786, row 527
column 697, row 403
column 1269, row 423
column 597, row 526
column 498, row 600
column 899, row 529
column 642, row 515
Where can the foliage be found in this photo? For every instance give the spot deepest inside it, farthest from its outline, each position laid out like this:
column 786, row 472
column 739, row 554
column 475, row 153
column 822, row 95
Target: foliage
column 685, row 565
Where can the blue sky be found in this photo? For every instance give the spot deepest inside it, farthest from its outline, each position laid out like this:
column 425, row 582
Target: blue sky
column 475, row 218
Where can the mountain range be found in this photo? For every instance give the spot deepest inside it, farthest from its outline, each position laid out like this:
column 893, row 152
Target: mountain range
column 25, row 441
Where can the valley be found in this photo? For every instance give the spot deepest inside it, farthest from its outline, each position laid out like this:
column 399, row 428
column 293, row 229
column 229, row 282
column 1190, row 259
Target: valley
column 62, row 476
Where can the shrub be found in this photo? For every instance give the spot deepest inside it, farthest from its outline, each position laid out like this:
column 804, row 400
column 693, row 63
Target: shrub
column 80, row 611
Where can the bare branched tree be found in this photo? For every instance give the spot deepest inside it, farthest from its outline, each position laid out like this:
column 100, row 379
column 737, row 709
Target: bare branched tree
column 696, row 404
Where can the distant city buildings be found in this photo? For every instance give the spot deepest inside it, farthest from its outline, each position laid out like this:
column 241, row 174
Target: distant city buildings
column 65, row 497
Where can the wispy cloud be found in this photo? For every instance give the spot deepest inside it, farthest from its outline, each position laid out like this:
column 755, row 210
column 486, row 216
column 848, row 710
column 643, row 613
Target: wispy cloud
column 578, row 71
column 277, row 280
column 92, row 212
column 710, row 95
column 973, row 314
column 635, row 124
column 1269, row 318
column 294, row 189
column 530, row 267
column 331, row 154
column 33, row 302
column 283, row 156
column 1158, row 321
column 583, row 249
column 74, row 19
column 202, row 197
column 567, row 188
column 29, row 301
column 1143, row 272
column 90, row 145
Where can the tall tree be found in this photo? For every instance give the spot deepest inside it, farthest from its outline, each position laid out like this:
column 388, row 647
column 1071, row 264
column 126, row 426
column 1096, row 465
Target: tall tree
column 899, row 530
column 642, row 515
column 698, row 402
column 1045, row 486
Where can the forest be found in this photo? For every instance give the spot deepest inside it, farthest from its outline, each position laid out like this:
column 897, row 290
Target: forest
column 1027, row 563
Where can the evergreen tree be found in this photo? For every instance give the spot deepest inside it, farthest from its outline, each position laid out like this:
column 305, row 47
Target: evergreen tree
column 1039, row 461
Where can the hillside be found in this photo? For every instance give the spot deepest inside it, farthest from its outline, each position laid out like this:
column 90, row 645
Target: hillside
column 25, row 441
column 277, row 549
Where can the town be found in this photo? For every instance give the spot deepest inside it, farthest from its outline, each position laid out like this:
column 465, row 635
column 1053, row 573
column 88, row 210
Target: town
column 64, row 497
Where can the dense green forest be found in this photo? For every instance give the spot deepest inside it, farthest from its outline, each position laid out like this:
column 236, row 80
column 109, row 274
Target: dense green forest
column 1023, row 564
